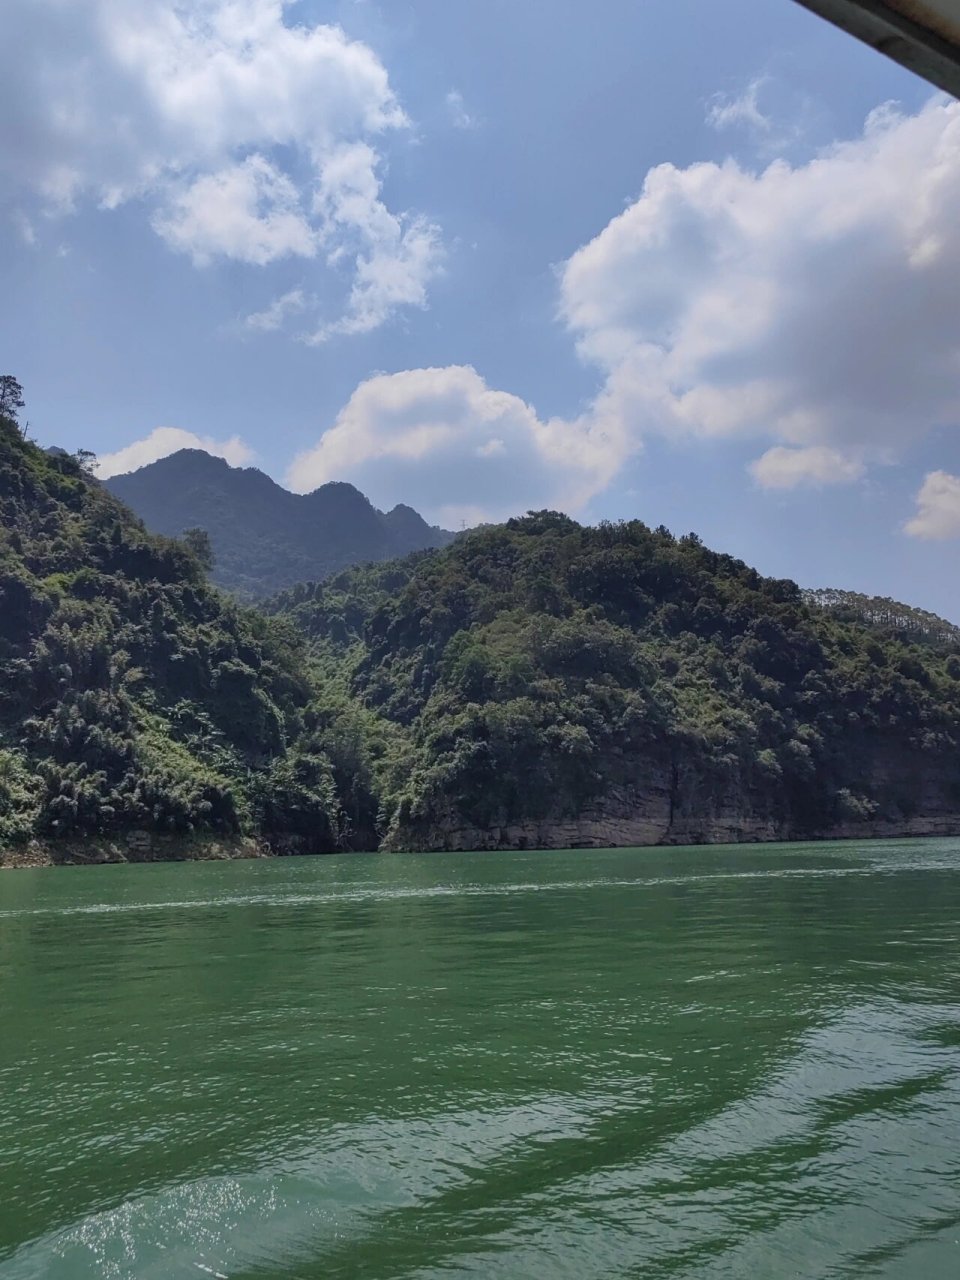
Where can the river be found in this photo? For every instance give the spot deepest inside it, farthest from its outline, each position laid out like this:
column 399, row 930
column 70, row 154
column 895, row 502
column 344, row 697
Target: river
column 701, row 1063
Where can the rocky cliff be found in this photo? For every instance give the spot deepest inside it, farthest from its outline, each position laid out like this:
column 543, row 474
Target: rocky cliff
column 910, row 801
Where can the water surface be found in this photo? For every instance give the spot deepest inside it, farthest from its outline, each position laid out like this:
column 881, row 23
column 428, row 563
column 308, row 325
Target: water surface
column 737, row 1062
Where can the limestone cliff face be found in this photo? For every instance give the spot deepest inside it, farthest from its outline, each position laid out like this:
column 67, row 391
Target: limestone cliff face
column 608, row 828
column 610, row 832
column 899, row 794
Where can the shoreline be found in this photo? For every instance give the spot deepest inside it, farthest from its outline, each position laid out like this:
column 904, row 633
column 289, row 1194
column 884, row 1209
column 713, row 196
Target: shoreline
column 100, row 851
column 141, row 849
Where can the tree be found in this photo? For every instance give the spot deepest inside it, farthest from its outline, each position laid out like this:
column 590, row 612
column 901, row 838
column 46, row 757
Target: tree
column 198, row 541
column 88, row 461
column 11, row 397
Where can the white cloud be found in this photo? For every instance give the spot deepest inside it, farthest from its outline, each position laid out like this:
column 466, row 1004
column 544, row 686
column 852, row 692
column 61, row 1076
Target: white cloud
column 224, row 118
column 166, row 440
column 767, row 115
column 938, row 508
column 450, row 446
column 275, row 315
column 394, row 273
column 783, row 468
column 249, row 212
column 395, row 257
column 808, row 307
column 743, row 110
column 811, row 305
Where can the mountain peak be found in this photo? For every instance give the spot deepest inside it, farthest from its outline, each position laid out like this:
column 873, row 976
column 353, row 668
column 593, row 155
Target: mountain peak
column 265, row 538
column 198, row 459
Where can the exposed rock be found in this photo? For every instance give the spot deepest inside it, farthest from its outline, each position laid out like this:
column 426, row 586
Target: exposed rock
column 663, row 811
column 131, row 847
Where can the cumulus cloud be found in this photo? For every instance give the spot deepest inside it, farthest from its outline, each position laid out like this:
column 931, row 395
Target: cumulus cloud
column 394, row 273
column 166, row 440
column 938, row 508
column 451, row 446
column 810, row 307
column 249, row 211
column 783, row 468
column 395, row 257
column 227, row 120
column 813, row 305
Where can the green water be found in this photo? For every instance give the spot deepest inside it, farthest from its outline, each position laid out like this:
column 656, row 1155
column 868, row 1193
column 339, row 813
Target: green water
column 739, row 1062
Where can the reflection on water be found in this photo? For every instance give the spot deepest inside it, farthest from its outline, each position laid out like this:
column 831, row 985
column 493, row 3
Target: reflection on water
column 686, row 1063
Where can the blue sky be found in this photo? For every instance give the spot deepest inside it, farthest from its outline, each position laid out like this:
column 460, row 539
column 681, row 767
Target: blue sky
column 690, row 262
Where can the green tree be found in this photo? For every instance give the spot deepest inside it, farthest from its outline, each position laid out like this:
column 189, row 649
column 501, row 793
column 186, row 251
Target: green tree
column 11, row 397
column 200, row 546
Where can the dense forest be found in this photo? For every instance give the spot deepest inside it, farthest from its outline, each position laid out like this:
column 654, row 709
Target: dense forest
column 888, row 617
column 132, row 694
column 537, row 682
column 264, row 538
column 539, row 671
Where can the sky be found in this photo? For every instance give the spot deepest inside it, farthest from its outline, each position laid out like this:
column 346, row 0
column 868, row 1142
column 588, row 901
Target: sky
column 687, row 262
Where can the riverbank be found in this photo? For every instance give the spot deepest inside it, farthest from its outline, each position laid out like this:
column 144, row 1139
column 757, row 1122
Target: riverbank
column 630, row 832
column 136, row 847
column 146, row 847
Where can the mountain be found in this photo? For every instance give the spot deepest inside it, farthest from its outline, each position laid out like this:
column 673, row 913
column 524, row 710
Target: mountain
column 137, row 704
column 263, row 537
column 544, row 684
column 533, row 684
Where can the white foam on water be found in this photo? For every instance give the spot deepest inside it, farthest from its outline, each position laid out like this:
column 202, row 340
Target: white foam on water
column 439, row 891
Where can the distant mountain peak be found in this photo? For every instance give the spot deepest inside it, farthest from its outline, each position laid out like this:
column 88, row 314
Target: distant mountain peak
column 186, row 457
column 264, row 537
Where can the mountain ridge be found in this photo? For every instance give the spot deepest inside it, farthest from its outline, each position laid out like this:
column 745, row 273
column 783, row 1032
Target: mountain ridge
column 263, row 537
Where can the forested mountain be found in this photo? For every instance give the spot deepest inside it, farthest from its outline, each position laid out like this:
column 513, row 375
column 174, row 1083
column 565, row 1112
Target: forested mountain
column 552, row 684
column 263, row 537
column 132, row 695
column 535, row 683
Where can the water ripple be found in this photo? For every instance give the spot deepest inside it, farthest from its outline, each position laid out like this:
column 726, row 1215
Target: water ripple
column 266, row 1072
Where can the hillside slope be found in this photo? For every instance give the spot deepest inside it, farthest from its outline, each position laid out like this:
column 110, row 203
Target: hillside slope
column 133, row 697
column 559, row 685
column 263, row 537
